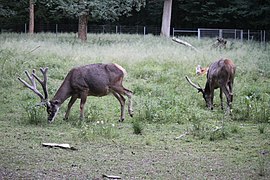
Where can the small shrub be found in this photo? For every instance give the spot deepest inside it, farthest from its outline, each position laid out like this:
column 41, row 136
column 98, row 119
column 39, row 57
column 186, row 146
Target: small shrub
column 35, row 113
column 93, row 113
column 198, row 128
column 234, row 129
column 261, row 128
column 137, row 127
column 218, row 134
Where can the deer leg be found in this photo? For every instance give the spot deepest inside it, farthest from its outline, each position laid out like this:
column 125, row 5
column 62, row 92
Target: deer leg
column 212, row 101
column 226, row 91
column 129, row 94
column 83, row 100
column 121, row 90
column 121, row 100
column 221, row 98
column 231, row 90
column 70, row 103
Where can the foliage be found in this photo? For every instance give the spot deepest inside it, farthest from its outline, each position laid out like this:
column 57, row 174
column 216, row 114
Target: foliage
column 185, row 14
column 99, row 10
column 35, row 113
column 229, row 13
column 137, row 127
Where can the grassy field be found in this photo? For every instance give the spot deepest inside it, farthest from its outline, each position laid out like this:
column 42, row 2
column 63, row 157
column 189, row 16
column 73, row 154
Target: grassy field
column 149, row 145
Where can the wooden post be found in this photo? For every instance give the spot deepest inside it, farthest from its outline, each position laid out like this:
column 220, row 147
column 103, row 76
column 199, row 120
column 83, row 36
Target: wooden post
column 31, row 16
column 166, row 18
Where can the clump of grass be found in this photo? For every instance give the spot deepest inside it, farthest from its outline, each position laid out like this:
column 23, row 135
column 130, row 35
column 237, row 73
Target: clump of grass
column 137, row 127
column 218, row 134
column 204, row 129
column 94, row 113
column 198, row 128
column 35, row 113
column 99, row 129
column 261, row 128
column 234, row 129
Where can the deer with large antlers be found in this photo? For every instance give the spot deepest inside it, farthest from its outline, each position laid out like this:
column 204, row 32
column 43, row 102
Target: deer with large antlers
column 80, row 82
column 219, row 75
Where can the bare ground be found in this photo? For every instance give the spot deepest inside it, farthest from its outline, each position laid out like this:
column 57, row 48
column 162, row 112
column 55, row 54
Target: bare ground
column 149, row 156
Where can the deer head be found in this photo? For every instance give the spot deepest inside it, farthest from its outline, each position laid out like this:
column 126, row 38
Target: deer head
column 206, row 96
column 220, row 43
column 52, row 108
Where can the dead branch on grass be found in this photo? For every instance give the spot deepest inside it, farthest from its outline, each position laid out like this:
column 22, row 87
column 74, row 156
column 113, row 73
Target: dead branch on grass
column 184, row 43
column 63, row 146
column 182, row 135
column 111, row 176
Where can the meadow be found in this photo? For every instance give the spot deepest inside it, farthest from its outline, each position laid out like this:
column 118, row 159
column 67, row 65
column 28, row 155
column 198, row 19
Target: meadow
column 172, row 134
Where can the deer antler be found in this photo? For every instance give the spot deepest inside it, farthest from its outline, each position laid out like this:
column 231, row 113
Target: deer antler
column 200, row 89
column 33, row 87
column 44, row 82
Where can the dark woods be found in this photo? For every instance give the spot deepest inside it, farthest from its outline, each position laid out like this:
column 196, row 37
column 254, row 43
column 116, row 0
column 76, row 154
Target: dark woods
column 238, row 14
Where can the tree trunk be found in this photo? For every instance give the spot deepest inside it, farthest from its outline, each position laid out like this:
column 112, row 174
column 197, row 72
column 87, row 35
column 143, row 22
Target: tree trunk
column 166, row 18
column 31, row 17
column 82, row 29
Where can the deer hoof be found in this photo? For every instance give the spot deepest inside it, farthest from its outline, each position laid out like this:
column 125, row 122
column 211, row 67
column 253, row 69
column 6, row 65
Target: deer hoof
column 131, row 113
column 121, row 119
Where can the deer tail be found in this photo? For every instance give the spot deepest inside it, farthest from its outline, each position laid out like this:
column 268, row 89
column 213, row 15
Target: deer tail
column 121, row 68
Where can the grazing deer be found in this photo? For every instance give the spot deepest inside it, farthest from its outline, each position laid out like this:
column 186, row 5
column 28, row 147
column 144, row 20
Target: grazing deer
column 80, row 82
column 220, row 75
column 200, row 70
column 220, row 43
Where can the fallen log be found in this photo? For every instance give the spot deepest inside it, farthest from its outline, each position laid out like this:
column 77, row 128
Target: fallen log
column 63, row 146
column 184, row 43
column 111, row 176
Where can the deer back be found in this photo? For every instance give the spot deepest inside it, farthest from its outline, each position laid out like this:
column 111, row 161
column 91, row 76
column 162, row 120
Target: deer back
column 220, row 72
column 96, row 78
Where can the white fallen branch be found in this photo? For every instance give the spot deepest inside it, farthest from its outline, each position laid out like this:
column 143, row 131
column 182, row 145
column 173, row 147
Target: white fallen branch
column 111, row 176
column 63, row 146
column 184, row 43
column 182, row 135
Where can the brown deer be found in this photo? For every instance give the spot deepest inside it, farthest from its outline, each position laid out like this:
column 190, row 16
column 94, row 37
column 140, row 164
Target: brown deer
column 219, row 75
column 220, row 43
column 80, row 82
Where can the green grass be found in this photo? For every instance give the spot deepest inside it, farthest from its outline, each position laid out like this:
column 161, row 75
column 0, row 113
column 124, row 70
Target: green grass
column 213, row 145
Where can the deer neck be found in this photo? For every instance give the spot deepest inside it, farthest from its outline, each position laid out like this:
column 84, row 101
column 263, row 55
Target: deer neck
column 207, row 89
column 63, row 92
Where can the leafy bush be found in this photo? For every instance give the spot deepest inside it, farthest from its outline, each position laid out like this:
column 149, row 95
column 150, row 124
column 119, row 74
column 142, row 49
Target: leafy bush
column 137, row 127
column 35, row 113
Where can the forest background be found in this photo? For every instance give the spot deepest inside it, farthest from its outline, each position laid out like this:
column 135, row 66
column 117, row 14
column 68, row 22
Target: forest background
column 238, row 14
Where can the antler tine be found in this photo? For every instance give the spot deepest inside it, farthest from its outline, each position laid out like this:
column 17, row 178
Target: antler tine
column 32, row 87
column 44, row 81
column 194, row 85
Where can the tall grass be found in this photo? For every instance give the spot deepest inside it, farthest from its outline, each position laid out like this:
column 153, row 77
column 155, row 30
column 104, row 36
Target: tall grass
column 156, row 69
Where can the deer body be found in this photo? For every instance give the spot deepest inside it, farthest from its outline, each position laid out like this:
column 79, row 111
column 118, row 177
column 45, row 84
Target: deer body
column 90, row 80
column 219, row 75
